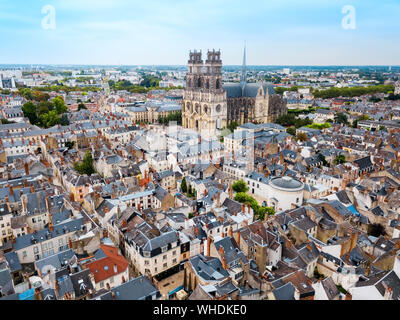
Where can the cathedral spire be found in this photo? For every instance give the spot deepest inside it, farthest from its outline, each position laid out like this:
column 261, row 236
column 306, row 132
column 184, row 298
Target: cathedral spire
column 243, row 78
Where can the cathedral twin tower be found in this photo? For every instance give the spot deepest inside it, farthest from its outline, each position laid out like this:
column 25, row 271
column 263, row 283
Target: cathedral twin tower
column 205, row 102
column 208, row 105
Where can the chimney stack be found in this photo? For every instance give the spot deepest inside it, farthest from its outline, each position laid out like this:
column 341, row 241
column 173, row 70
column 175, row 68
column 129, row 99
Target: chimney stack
column 26, row 166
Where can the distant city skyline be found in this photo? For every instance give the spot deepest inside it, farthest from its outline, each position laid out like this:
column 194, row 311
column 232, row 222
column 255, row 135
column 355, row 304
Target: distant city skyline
column 277, row 33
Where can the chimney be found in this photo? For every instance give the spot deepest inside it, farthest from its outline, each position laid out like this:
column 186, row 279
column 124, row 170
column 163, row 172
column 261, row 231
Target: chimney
column 219, row 200
column 230, row 232
column 224, row 262
column 243, row 208
column 51, row 222
column 238, row 238
column 38, row 294
column 47, row 203
column 208, row 246
column 388, row 292
column 26, row 165
column 32, row 189
column 70, row 243
column 11, row 190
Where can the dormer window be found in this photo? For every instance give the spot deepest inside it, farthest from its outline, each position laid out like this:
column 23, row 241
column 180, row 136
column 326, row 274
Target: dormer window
column 164, row 249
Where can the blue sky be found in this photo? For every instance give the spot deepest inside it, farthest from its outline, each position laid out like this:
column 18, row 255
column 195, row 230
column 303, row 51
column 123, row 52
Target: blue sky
column 130, row 32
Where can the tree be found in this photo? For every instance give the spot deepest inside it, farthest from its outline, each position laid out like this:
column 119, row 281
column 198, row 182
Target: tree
column 341, row 118
column 240, row 186
column 64, row 120
column 184, row 185
column 291, row 130
column 29, row 110
column 376, row 230
column 258, row 210
column 86, row 166
column 40, row 96
column 50, row 119
column 363, row 117
column 44, row 107
column 59, row 105
column 70, row 144
column 233, row 126
column 301, row 136
column 340, row 159
column 81, row 106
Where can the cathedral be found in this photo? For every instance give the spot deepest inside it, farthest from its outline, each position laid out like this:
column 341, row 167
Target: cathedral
column 209, row 105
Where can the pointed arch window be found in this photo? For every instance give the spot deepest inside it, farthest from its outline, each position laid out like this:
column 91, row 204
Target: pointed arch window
column 218, row 84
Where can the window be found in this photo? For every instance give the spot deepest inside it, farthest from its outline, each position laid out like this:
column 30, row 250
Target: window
column 165, row 265
column 101, row 284
column 174, row 253
column 112, row 280
column 174, row 261
column 146, row 262
column 23, row 254
column 165, row 257
column 35, row 250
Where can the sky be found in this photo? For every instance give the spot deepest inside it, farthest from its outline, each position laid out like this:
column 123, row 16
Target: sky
column 161, row 32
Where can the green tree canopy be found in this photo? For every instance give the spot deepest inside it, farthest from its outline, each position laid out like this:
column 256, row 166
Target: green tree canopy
column 29, row 110
column 240, row 186
column 86, row 166
column 59, row 105
column 340, row 159
column 184, row 185
column 232, row 126
column 301, row 136
column 341, row 118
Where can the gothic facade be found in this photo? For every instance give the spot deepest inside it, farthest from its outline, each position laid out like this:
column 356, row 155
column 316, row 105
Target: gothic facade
column 208, row 105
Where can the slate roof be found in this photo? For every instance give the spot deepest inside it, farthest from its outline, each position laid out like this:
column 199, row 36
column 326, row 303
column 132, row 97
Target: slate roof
column 364, row 163
column 13, row 261
column 57, row 261
column 208, row 268
column 81, row 283
column 6, row 282
column 285, row 292
column 136, row 289
column 44, row 234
